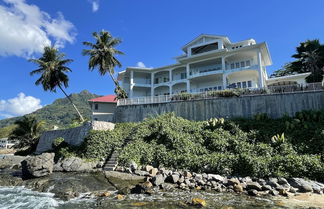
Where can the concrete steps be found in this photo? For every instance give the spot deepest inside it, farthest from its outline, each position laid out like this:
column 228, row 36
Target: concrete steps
column 111, row 163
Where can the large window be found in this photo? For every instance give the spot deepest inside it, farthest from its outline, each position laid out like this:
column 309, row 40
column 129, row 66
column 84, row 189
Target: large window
column 96, row 106
column 204, row 48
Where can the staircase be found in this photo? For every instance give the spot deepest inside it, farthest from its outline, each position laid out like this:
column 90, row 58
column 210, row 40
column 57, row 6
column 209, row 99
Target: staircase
column 111, row 162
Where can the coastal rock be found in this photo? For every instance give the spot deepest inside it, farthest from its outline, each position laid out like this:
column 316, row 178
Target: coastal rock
column 252, row 192
column 301, row 184
column 158, row 180
column 153, row 171
column 187, row 174
column 38, row 166
column 10, row 161
column 238, row 188
column 215, row 177
column 144, row 188
column 148, row 168
column 75, row 164
column 253, row 186
column 141, row 173
column 133, row 166
column 233, row 181
column 282, row 181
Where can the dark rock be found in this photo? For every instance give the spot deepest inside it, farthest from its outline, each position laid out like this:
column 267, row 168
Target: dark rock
column 283, row 192
column 266, row 187
column 38, row 166
column 144, row 188
column 252, row 192
column 253, row 186
column 274, row 192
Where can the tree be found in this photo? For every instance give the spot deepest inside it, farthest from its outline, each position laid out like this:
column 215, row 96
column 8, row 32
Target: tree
column 102, row 56
column 27, row 131
column 310, row 58
column 53, row 69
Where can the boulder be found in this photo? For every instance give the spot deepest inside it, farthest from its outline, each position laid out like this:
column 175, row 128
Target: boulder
column 266, row 187
column 148, row 168
column 153, row 171
column 282, row 181
column 174, row 178
column 253, row 186
column 144, row 188
column 301, row 184
column 38, row 166
column 233, row 181
column 187, row 174
column 238, row 188
column 75, row 164
column 215, row 177
column 141, row 173
column 158, row 180
column 252, row 192
column 133, row 166
column 10, row 161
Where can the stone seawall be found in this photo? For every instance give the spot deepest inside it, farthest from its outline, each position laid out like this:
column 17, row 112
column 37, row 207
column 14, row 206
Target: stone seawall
column 275, row 105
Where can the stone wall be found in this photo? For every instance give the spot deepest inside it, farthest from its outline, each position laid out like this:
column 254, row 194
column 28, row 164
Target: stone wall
column 275, row 105
column 73, row 136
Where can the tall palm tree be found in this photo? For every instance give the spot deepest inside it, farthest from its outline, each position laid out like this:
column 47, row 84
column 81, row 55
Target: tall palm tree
column 102, row 56
column 27, row 130
column 53, row 69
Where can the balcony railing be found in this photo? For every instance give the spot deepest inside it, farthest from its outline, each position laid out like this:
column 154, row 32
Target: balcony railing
column 214, row 94
column 204, row 70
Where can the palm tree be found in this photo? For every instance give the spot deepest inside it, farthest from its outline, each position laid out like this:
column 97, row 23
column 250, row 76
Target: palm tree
column 310, row 58
column 102, row 56
column 27, row 130
column 52, row 67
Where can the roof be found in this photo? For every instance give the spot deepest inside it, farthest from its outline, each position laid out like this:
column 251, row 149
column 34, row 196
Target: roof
column 107, row 98
column 225, row 38
column 289, row 76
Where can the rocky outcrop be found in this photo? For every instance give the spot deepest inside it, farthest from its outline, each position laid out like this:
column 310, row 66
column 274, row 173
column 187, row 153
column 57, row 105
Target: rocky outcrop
column 38, row 166
column 11, row 161
column 75, row 164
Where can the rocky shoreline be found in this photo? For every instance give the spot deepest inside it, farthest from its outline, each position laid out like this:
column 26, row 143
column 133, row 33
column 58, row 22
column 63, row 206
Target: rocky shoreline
column 70, row 177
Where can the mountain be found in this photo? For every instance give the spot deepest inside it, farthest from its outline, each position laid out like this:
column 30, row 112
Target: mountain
column 60, row 112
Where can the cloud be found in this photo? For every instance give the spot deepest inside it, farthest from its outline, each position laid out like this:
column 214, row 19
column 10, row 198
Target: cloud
column 140, row 64
column 19, row 105
column 95, row 5
column 25, row 29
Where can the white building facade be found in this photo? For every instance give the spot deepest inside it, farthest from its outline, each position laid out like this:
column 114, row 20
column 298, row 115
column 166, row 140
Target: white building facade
column 209, row 63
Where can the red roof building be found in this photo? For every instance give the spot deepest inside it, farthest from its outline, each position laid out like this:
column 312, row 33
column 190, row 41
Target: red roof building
column 107, row 98
column 103, row 108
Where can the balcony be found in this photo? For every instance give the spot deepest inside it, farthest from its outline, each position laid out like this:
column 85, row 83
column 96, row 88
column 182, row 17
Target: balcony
column 141, row 82
column 206, row 70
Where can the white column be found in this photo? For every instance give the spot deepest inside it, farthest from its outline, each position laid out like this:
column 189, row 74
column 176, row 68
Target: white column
column 170, row 89
column 188, row 70
column 223, row 63
column 188, row 86
column 259, row 58
column 224, row 81
column 152, row 84
column 131, row 84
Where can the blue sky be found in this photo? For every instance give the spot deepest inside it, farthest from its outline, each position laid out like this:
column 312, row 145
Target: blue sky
column 152, row 32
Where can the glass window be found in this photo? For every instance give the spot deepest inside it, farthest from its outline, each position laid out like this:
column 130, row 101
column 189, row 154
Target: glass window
column 96, row 106
column 232, row 66
column 244, row 84
column 219, row 87
column 237, row 65
column 238, row 85
column 249, row 84
column 242, row 64
column 248, row 63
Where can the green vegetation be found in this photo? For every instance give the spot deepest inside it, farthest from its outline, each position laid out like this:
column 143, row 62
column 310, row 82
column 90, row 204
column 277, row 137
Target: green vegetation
column 102, row 55
column 258, row 147
column 309, row 58
column 60, row 113
column 53, row 69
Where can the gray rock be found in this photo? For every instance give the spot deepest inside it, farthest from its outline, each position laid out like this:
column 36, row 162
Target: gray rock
column 10, row 161
column 266, row 187
column 187, row 174
column 158, row 180
column 273, row 184
column 153, row 171
column 233, row 181
column 282, row 181
column 246, row 179
column 253, row 186
column 148, row 168
column 75, row 164
column 274, row 192
column 174, row 178
column 215, row 177
column 141, row 173
column 38, row 166
column 133, row 166
column 292, row 190
column 181, row 179
column 198, row 177
column 301, row 184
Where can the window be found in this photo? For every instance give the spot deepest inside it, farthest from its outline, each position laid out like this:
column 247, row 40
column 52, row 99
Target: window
column 238, row 85
column 237, row 65
column 247, row 63
column 96, row 106
column 243, row 64
column 232, row 66
column 95, row 119
column 156, row 80
column 244, row 84
column 219, row 87
column 249, row 84
column 183, row 75
column 204, row 48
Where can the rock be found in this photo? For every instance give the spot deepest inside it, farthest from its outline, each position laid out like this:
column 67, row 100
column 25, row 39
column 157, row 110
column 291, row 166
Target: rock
column 252, row 192
column 198, row 177
column 141, row 173
column 148, row 168
column 253, row 186
column 282, row 181
column 246, row 179
column 120, row 197
column 198, row 202
column 38, row 166
column 292, row 190
column 238, row 188
column 105, row 194
column 174, row 178
column 273, row 183
column 317, row 190
column 10, row 161
column 215, row 177
column 133, row 166
column 201, row 182
column 158, row 180
column 187, row 174
column 153, row 171
column 301, row 184
column 181, row 179
column 266, row 187
column 102, row 125
column 233, row 181
column 283, row 192
column 274, row 192
column 123, row 176
column 75, row 164
column 144, row 188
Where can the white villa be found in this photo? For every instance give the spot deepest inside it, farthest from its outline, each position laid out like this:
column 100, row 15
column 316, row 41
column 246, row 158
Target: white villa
column 209, row 62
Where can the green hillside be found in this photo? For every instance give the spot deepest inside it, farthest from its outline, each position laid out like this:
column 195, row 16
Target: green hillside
column 59, row 113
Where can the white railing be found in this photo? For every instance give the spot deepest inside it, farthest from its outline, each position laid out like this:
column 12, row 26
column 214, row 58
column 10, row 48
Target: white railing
column 215, row 94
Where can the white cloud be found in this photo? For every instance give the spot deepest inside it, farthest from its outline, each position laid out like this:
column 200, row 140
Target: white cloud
column 19, row 105
column 25, row 29
column 95, row 5
column 140, row 64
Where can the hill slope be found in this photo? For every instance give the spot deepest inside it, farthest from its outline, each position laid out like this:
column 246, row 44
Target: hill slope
column 60, row 112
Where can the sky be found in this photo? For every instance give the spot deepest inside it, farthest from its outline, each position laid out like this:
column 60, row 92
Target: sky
column 152, row 34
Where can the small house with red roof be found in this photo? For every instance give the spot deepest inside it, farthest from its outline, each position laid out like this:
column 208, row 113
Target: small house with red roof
column 103, row 108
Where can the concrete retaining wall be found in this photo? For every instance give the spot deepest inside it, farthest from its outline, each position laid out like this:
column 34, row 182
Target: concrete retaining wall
column 275, row 105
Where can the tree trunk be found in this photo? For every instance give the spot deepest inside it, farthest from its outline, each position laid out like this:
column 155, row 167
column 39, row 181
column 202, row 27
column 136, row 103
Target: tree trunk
column 76, row 109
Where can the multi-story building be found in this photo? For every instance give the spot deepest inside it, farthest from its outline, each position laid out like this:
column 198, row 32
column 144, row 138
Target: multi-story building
column 209, row 62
